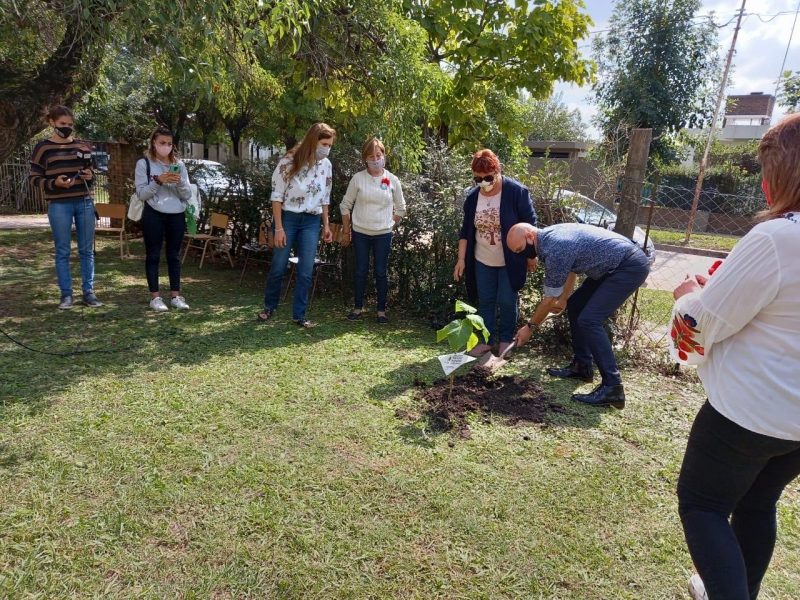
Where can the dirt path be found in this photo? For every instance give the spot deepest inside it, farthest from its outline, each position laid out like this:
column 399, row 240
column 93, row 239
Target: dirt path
column 23, row 221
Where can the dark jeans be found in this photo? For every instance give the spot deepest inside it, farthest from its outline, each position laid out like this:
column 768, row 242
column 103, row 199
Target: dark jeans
column 731, row 472
column 596, row 300
column 302, row 230
column 494, row 291
column 156, row 227
column 379, row 245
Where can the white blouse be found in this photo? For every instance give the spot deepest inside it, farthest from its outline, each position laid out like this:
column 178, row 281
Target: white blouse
column 308, row 191
column 743, row 330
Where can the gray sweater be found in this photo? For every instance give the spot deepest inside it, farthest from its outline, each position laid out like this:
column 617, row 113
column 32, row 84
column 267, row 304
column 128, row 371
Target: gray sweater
column 167, row 198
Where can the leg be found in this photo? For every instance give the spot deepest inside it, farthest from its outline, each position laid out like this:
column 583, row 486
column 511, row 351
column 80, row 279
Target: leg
column 307, row 242
column 575, row 305
column 612, row 292
column 381, row 245
column 507, row 301
column 361, row 248
column 174, row 228
column 84, row 226
column 280, row 261
column 153, row 233
column 60, row 215
column 721, row 468
column 487, row 281
column 754, row 520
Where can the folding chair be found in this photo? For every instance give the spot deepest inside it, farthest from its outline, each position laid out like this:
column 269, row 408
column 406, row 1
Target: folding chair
column 265, row 244
column 217, row 221
column 106, row 212
column 331, row 265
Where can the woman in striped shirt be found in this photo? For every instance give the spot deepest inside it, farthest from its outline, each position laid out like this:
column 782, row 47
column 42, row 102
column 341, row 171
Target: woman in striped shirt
column 59, row 168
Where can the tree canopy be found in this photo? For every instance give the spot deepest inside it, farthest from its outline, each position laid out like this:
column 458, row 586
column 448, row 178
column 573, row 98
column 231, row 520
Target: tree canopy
column 789, row 95
column 657, row 68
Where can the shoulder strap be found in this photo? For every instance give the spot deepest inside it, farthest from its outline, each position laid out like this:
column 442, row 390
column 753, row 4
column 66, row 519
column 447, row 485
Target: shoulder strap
column 147, row 164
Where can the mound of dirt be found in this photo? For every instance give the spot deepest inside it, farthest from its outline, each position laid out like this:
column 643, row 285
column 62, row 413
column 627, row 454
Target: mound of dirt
column 517, row 400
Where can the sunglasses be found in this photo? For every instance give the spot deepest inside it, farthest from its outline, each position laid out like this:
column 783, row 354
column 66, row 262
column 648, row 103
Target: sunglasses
column 487, row 179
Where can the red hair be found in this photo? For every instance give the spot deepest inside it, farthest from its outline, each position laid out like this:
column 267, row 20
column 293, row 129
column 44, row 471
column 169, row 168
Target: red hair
column 485, row 161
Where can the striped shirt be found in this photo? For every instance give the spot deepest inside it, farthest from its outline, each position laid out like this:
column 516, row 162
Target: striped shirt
column 51, row 159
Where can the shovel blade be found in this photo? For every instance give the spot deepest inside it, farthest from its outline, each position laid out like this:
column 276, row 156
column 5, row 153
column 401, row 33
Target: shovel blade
column 491, row 362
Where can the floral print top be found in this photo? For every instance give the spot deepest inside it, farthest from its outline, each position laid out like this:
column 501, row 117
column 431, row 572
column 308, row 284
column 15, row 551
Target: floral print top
column 308, row 191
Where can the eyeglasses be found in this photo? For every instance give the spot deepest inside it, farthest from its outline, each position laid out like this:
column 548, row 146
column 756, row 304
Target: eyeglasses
column 487, row 179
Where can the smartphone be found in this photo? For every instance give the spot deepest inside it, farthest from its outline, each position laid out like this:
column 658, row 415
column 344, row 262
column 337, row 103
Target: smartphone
column 174, row 168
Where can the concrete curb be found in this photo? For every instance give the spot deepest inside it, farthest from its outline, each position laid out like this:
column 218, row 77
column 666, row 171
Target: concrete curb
column 695, row 251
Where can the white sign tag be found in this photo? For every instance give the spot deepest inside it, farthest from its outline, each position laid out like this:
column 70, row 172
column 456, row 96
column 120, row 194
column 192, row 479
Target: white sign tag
column 450, row 362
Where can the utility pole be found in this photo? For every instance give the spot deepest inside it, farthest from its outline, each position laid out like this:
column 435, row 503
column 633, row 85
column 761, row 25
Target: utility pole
column 701, row 174
column 635, row 168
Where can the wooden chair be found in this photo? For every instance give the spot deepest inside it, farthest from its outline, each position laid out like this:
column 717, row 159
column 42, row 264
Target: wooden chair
column 331, row 265
column 265, row 244
column 105, row 212
column 217, row 221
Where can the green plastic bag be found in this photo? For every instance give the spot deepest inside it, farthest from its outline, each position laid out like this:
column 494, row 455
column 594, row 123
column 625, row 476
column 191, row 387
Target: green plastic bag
column 191, row 222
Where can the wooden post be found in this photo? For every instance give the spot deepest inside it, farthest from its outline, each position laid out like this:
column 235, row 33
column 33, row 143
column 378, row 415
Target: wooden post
column 638, row 153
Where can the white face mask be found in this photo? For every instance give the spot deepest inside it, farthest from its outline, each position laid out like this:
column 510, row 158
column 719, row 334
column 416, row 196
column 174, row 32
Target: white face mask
column 486, row 186
column 377, row 165
column 322, row 152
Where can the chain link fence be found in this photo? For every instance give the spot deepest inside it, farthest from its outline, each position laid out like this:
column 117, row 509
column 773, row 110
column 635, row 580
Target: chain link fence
column 719, row 223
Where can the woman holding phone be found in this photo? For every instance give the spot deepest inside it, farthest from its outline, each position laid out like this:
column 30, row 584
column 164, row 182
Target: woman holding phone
column 59, row 169
column 165, row 194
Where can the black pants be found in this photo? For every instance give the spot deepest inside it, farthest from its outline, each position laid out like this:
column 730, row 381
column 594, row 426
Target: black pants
column 156, row 227
column 731, row 472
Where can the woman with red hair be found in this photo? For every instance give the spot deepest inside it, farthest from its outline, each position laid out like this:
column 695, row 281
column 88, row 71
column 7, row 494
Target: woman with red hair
column 494, row 274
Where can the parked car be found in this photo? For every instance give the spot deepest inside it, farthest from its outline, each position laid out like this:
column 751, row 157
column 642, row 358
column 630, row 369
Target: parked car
column 586, row 210
column 208, row 175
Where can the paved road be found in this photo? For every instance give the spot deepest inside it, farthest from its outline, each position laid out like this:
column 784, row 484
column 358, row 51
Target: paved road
column 23, row 221
column 671, row 268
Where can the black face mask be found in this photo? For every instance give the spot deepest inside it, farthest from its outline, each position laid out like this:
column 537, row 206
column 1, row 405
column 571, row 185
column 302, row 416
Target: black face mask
column 63, row 132
column 530, row 251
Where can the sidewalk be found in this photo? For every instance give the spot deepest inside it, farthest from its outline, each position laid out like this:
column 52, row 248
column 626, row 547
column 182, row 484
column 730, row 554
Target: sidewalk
column 23, row 222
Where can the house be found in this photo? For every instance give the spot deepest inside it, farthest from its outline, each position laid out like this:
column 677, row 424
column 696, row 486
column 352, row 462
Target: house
column 747, row 117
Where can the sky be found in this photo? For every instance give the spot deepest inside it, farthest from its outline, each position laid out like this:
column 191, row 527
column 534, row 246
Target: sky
column 760, row 47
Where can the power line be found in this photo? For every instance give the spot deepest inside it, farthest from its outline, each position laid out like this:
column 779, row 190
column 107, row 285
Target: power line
column 710, row 17
column 783, row 64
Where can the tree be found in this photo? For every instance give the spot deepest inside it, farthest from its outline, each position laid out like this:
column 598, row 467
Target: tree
column 552, row 120
column 498, row 45
column 57, row 59
column 656, row 68
column 789, row 95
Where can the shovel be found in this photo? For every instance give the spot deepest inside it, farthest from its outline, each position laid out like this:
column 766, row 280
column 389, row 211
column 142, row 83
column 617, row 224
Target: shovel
column 492, row 362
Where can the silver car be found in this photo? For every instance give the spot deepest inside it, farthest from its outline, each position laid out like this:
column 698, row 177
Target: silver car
column 586, row 210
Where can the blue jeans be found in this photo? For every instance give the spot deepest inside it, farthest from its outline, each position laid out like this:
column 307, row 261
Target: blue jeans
column 494, row 291
column 302, row 229
column 380, row 246
column 732, row 473
column 596, row 300
column 61, row 216
column 158, row 227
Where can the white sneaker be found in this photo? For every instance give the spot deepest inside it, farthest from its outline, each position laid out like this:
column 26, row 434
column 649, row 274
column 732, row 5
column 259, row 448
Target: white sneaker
column 696, row 588
column 157, row 304
column 179, row 303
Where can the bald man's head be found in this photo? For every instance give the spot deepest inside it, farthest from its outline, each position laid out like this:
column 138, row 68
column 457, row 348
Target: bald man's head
column 519, row 236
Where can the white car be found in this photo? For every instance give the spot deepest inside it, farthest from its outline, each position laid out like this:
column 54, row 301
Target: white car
column 586, row 210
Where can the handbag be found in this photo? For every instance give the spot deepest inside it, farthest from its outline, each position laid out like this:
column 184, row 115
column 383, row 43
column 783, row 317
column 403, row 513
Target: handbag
column 135, row 204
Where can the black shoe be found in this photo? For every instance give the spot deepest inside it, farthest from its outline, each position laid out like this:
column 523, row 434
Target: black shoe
column 383, row 319
column 603, row 395
column 354, row 316
column 89, row 299
column 573, row 370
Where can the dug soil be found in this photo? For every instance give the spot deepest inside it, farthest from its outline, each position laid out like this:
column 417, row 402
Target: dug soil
column 516, row 400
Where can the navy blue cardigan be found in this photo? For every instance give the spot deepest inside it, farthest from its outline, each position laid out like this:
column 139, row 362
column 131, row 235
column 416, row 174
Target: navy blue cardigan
column 515, row 207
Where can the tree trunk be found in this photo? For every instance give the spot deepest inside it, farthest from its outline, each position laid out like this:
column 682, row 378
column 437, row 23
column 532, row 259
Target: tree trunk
column 638, row 153
column 70, row 72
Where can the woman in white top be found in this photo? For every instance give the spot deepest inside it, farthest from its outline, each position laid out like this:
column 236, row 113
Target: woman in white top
column 373, row 204
column 301, row 194
column 742, row 327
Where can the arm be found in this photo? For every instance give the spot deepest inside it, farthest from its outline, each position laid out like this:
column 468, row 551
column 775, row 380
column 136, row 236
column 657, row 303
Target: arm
column 37, row 175
column 184, row 186
column 144, row 189
column 277, row 216
column 399, row 201
column 462, row 257
column 346, row 207
column 327, row 234
column 525, row 210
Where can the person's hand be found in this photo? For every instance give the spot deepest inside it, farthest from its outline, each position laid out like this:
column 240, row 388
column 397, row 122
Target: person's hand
column 532, row 264
column 280, row 239
column 459, row 270
column 63, row 181
column 169, row 177
column 327, row 234
column 523, row 335
column 688, row 286
column 346, row 238
column 87, row 174
column 396, row 219
column 702, row 280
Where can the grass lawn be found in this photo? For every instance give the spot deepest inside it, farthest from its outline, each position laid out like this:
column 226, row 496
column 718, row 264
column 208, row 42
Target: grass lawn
column 698, row 240
column 211, row 457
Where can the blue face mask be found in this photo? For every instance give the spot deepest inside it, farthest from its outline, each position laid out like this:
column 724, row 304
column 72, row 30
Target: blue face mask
column 322, row 152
